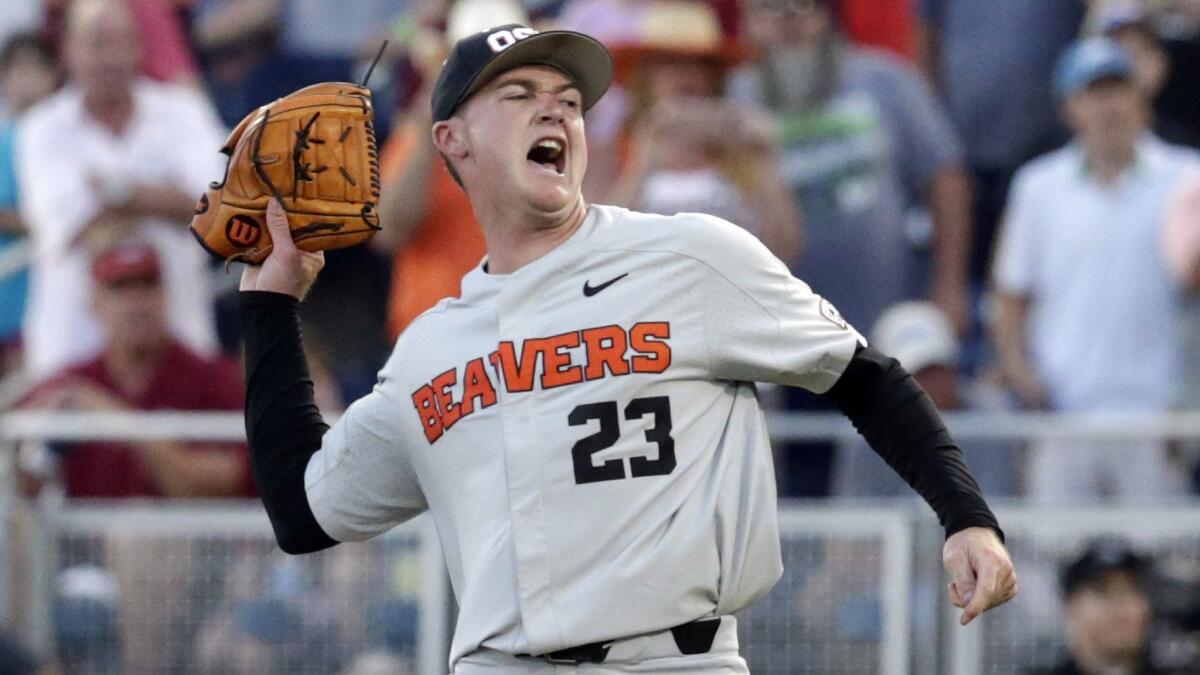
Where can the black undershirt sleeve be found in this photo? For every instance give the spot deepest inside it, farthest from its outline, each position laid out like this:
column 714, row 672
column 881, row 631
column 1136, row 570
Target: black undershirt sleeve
column 901, row 423
column 283, row 425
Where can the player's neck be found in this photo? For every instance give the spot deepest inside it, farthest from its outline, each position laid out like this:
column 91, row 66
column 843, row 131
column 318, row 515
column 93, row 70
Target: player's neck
column 517, row 240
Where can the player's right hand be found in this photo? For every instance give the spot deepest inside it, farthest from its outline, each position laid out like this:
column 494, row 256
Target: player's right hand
column 981, row 571
column 287, row 269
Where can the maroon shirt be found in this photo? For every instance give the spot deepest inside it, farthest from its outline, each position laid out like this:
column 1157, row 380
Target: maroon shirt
column 183, row 380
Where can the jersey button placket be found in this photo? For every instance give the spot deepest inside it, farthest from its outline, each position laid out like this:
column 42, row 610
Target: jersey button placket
column 522, row 445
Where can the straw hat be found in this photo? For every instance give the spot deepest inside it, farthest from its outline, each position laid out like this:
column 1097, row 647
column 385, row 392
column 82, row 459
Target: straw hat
column 677, row 28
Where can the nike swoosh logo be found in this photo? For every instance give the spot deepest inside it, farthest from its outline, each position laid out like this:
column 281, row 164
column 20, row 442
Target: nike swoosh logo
column 589, row 291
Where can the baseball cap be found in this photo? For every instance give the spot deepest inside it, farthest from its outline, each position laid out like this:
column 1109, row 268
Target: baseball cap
column 478, row 58
column 1098, row 558
column 131, row 259
column 1088, row 61
column 918, row 334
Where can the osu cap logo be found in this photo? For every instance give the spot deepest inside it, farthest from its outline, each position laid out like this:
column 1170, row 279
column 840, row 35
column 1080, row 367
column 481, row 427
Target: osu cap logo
column 243, row 230
column 503, row 39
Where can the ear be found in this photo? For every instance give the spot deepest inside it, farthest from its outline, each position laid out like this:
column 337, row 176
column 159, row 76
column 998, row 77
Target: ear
column 450, row 138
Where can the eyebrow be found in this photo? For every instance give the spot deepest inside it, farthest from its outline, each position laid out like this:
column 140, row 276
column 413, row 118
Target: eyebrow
column 533, row 86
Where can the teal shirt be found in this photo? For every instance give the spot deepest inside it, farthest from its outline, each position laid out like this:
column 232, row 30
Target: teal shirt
column 14, row 289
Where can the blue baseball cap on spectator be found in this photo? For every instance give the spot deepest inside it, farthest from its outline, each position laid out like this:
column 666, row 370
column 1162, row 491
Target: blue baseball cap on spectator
column 1088, row 61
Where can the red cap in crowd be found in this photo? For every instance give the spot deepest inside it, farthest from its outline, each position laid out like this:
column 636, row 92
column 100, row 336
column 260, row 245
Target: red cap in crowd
column 126, row 260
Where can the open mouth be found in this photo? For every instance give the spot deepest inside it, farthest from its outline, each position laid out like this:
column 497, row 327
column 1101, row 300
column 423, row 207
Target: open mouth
column 550, row 154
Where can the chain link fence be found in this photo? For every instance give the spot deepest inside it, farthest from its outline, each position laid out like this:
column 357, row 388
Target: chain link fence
column 202, row 589
column 183, row 588
column 842, row 605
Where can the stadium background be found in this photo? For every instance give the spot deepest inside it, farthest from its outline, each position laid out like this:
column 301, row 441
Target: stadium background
column 888, row 159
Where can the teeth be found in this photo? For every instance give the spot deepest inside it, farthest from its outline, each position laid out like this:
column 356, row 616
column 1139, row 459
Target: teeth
column 552, row 144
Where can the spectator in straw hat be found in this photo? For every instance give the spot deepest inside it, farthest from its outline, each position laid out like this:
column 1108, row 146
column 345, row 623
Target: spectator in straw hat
column 685, row 147
column 142, row 367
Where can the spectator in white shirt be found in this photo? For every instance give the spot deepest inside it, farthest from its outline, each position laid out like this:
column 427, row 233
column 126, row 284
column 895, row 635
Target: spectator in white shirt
column 1086, row 305
column 111, row 152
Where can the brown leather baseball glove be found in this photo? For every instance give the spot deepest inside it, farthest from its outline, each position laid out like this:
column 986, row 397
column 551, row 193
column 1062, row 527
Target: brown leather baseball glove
column 314, row 150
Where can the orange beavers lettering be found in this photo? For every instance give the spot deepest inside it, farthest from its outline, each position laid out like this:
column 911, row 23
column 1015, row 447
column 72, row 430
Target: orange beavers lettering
column 556, row 361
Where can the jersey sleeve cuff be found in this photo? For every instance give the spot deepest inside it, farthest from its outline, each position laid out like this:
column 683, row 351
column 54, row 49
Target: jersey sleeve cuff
column 831, row 366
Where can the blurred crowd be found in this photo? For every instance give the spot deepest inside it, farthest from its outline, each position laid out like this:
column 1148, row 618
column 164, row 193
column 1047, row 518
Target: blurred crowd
column 1004, row 195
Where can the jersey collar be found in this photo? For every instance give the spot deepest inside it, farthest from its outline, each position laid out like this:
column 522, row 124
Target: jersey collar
column 478, row 281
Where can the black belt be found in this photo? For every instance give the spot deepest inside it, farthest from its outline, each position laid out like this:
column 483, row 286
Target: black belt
column 695, row 637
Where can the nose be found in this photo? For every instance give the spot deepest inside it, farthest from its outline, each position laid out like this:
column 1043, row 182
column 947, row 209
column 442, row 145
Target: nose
column 553, row 111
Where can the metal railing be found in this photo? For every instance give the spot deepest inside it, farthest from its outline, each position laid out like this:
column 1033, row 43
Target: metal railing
column 221, row 426
column 862, row 579
column 128, row 540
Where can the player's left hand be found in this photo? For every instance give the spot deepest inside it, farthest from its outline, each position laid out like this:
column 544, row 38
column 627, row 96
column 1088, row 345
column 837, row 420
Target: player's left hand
column 981, row 571
column 287, row 270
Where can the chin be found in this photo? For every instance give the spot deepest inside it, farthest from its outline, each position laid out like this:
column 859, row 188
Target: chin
column 550, row 199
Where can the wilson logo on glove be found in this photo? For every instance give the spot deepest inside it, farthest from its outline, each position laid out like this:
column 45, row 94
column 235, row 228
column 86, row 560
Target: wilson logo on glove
column 314, row 150
column 243, row 230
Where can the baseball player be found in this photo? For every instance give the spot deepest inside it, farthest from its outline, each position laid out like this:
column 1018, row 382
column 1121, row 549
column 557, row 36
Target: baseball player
column 581, row 424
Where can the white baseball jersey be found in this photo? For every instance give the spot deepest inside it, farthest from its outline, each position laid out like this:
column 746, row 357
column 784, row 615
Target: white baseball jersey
column 586, row 434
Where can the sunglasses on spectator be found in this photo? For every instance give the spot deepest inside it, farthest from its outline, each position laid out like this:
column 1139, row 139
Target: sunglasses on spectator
column 798, row 7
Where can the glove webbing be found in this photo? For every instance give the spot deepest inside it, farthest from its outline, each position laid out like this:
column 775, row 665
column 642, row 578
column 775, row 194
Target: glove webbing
column 303, row 171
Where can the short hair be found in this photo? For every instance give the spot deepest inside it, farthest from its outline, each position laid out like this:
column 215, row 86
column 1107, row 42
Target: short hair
column 26, row 41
